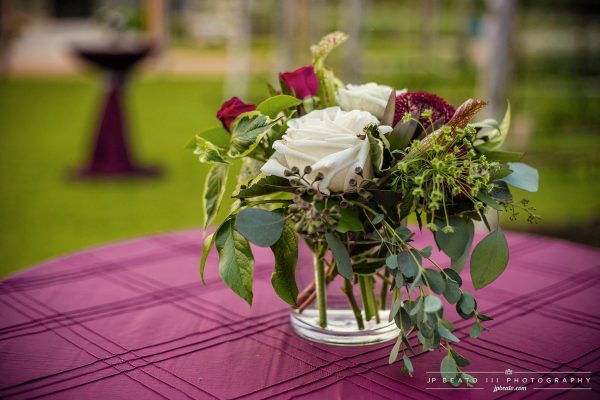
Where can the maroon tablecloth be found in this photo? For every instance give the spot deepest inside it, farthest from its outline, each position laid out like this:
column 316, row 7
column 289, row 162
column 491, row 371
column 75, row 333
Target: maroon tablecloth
column 132, row 321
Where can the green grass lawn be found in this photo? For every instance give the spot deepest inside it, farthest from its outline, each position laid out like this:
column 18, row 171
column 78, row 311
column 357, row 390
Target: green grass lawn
column 45, row 131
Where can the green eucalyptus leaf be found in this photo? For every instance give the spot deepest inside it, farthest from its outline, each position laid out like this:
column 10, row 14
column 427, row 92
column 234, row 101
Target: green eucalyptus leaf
column 453, row 244
column 408, row 265
column 483, row 317
column 377, row 219
column 453, row 275
column 340, row 255
column 459, row 263
column 236, row 263
column 448, row 368
column 435, row 280
column 272, row 106
column 452, row 292
column 392, row 261
column 395, row 350
column 426, row 251
column 416, row 307
column 432, row 304
column 475, row 330
column 460, row 360
column 283, row 278
column 261, row 227
column 488, row 200
column 247, row 133
column 399, row 279
column 466, row 303
column 489, row 259
column 349, row 221
column 214, row 188
column 395, row 309
column 408, row 364
column 522, row 176
column 445, row 333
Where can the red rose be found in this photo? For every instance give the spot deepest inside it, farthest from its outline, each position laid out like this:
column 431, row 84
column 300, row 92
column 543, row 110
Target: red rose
column 303, row 81
column 231, row 109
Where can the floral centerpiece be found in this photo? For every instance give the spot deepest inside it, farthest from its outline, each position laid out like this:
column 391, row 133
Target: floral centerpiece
column 342, row 167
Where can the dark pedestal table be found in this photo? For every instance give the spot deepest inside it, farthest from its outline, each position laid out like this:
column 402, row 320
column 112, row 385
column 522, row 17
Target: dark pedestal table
column 111, row 155
column 132, row 321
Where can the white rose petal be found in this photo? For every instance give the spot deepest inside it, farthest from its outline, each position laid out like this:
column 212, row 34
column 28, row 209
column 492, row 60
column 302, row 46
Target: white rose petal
column 369, row 97
column 330, row 141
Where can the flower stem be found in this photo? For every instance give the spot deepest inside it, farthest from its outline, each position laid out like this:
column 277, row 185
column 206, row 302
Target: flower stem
column 349, row 291
column 384, row 290
column 321, row 287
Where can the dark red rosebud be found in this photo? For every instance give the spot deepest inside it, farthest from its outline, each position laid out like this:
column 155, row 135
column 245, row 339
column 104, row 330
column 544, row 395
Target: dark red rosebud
column 417, row 102
column 231, row 109
column 302, row 81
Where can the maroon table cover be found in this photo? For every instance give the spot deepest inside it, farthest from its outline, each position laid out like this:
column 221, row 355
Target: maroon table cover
column 132, row 321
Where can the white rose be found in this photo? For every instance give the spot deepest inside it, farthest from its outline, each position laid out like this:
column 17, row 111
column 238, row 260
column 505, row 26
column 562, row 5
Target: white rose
column 369, row 97
column 330, row 141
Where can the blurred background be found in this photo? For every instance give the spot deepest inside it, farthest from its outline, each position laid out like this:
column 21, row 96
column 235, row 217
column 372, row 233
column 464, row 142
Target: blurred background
column 543, row 55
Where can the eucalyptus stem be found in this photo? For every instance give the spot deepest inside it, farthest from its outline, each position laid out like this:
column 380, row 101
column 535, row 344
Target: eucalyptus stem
column 321, row 287
column 349, row 291
column 383, row 295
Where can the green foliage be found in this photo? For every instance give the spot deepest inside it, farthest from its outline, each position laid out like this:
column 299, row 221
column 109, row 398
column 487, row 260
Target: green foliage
column 261, row 227
column 448, row 368
column 247, row 134
column 340, row 255
column 272, row 106
column 349, row 221
column 236, row 263
column 214, row 188
column 263, row 185
column 523, row 177
column 283, row 278
column 455, row 244
column 489, row 259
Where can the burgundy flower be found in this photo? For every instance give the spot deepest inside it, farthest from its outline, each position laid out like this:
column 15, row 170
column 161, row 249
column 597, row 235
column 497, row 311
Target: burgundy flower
column 417, row 102
column 302, row 81
column 231, row 109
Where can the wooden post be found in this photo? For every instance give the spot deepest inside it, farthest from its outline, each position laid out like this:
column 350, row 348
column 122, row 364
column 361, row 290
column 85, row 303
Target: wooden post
column 157, row 23
column 238, row 48
column 352, row 19
column 499, row 26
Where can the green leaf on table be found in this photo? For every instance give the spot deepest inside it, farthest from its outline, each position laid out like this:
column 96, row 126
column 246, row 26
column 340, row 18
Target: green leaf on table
column 448, row 368
column 261, row 227
column 489, row 259
column 432, row 304
column 395, row 350
column 408, row 264
column 455, row 243
column 272, row 106
column 340, row 255
column 475, row 330
column 283, row 278
column 466, row 303
column 214, row 188
column 349, row 221
column 445, row 333
column 247, row 133
column 263, row 185
column 435, row 280
column 236, row 263
column 522, row 176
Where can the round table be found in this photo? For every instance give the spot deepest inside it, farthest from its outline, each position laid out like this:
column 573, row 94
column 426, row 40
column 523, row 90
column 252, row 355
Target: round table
column 132, row 321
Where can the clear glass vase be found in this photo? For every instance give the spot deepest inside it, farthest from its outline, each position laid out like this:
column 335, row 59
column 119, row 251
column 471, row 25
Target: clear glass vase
column 344, row 320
